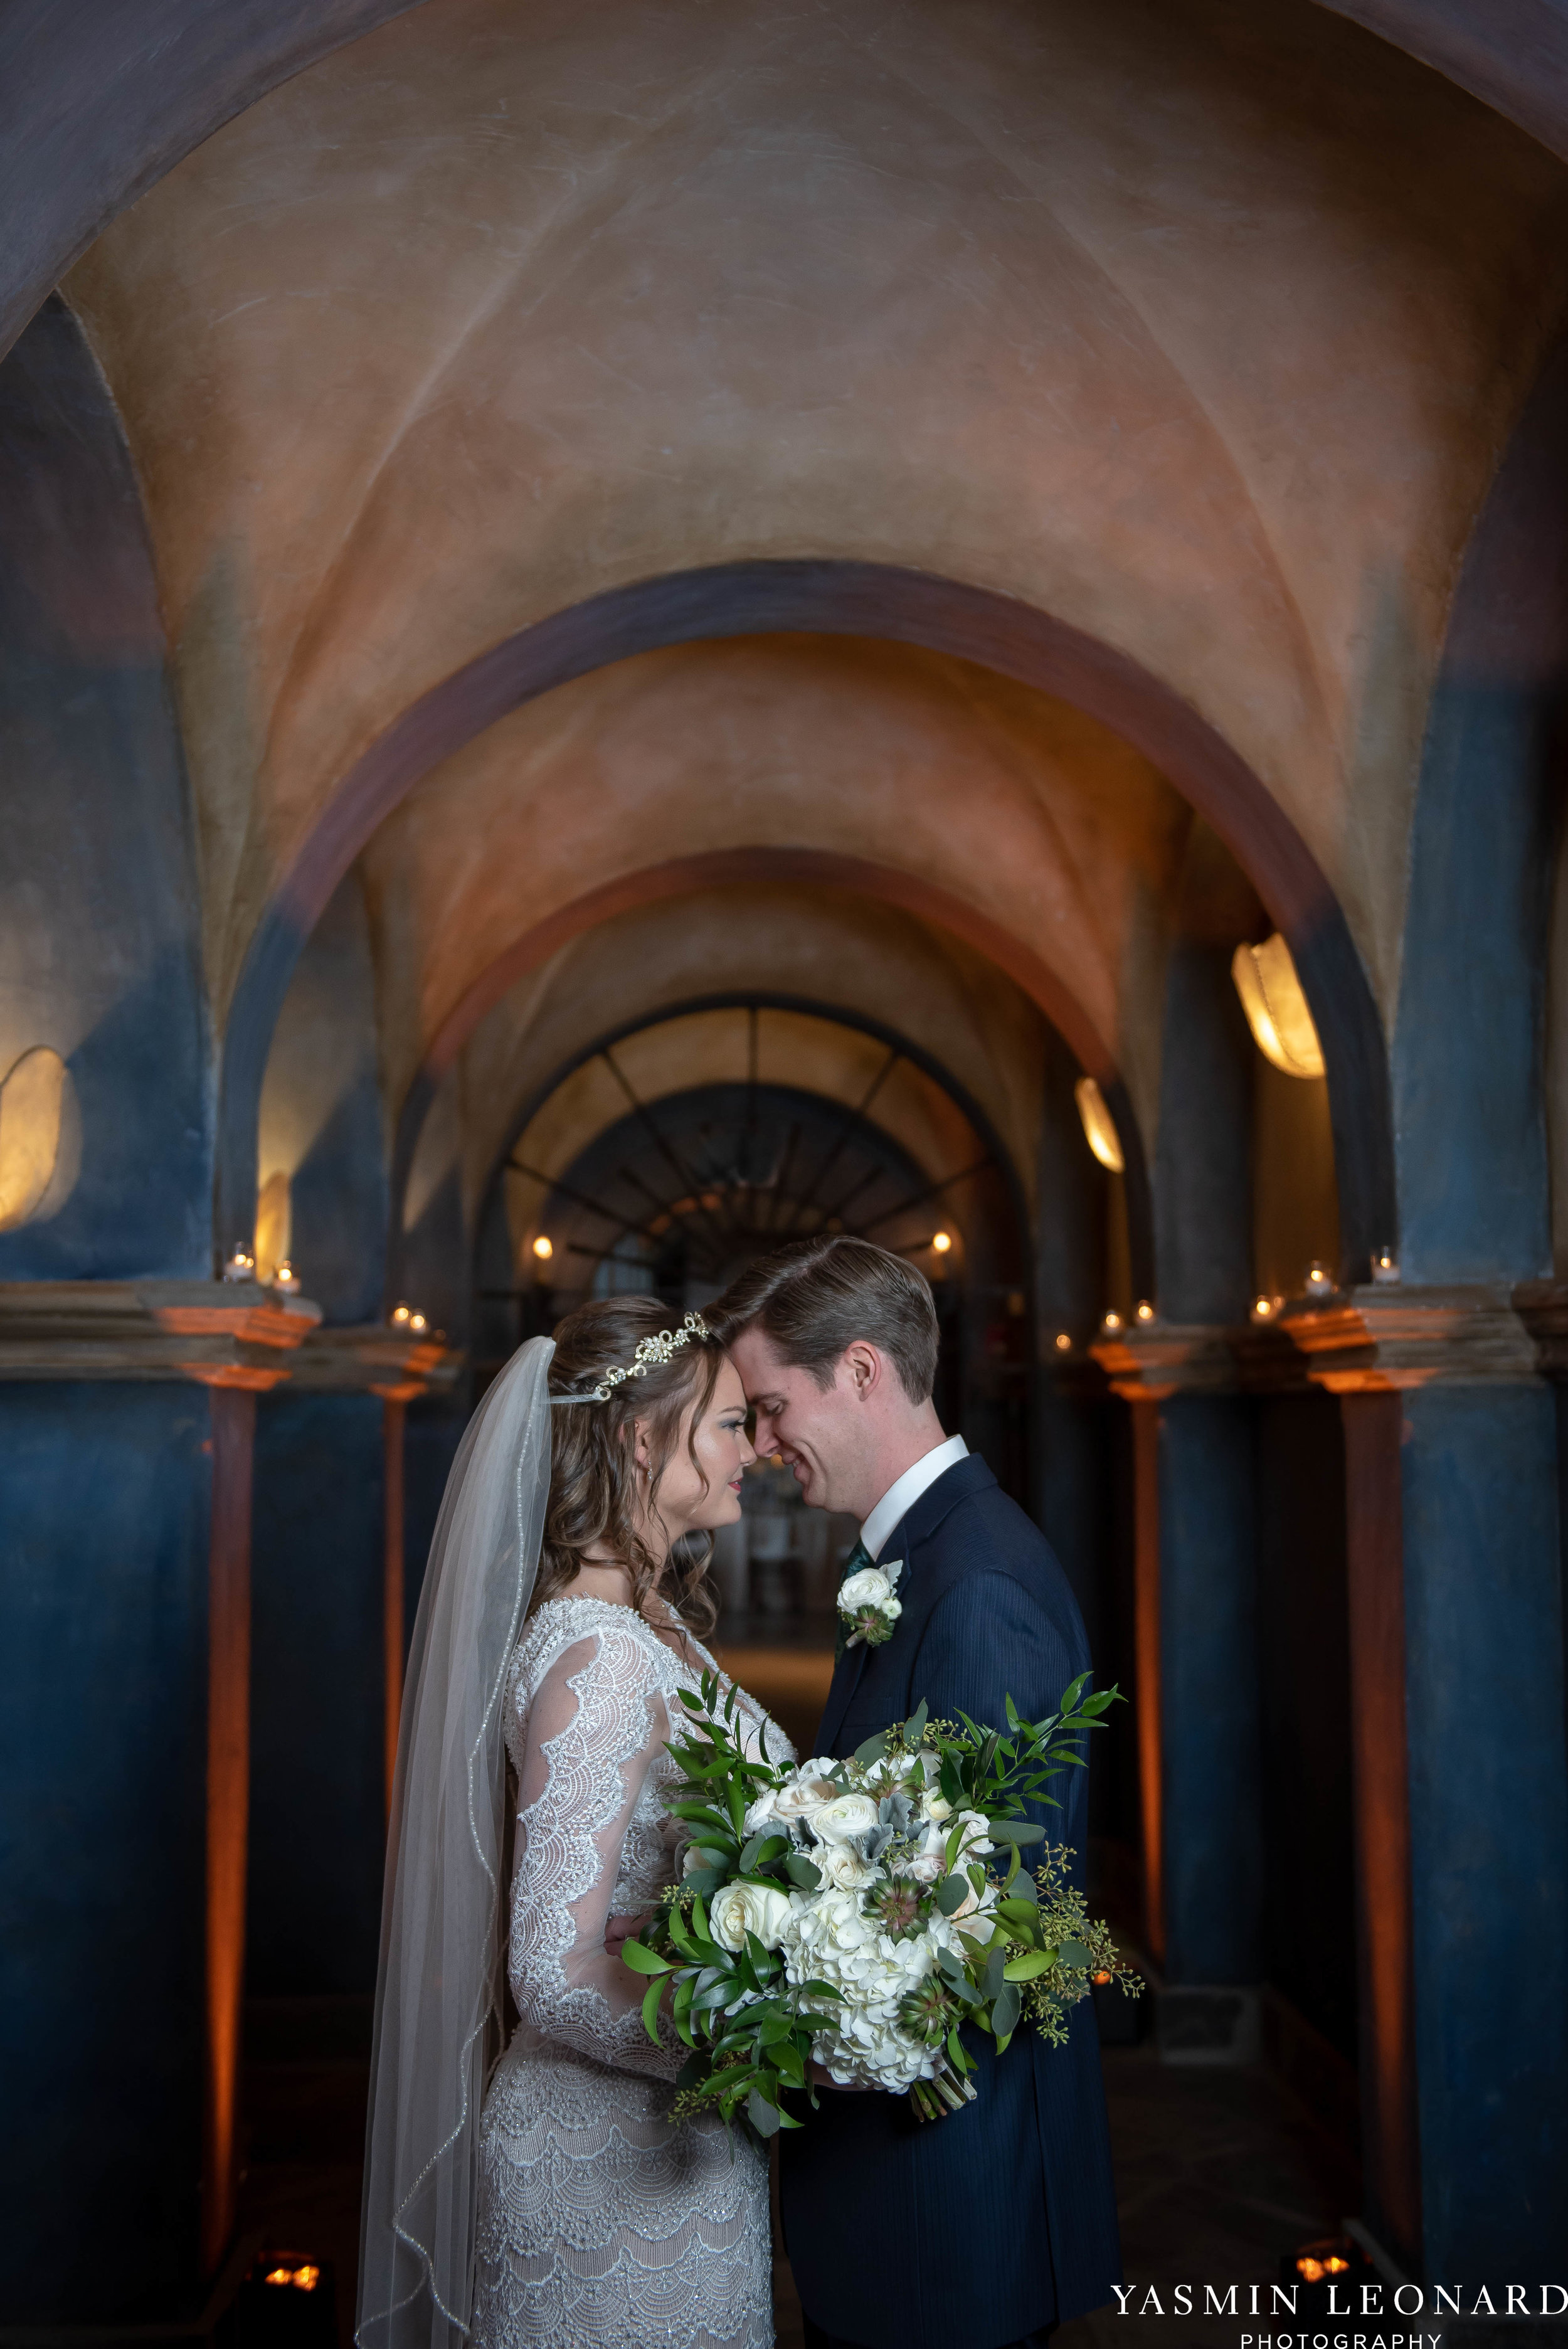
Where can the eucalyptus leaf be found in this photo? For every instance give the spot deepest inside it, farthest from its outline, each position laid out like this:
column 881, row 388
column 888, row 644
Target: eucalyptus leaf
column 915, row 1727
column 873, row 1750
column 800, row 1872
column 1073, row 1953
column 1006, row 2010
column 765, row 2119
column 951, row 1893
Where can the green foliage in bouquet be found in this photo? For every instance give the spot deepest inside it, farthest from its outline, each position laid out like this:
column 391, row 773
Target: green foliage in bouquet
column 872, row 1870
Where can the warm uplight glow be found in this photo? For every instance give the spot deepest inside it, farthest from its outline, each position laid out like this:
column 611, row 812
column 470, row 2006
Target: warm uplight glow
column 274, row 1222
column 544, row 1247
column 1098, row 1125
column 303, row 2278
column 1145, row 1311
column 399, row 1315
column 1314, row 2271
column 1064, row 1343
column 1277, row 1008
column 1112, row 1321
column 942, row 1242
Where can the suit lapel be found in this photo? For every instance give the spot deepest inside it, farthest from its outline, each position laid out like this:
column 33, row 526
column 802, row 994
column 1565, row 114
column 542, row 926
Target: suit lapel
column 917, row 1525
column 846, row 1679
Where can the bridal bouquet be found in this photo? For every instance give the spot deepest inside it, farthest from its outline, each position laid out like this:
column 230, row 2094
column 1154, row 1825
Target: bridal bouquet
column 858, row 1914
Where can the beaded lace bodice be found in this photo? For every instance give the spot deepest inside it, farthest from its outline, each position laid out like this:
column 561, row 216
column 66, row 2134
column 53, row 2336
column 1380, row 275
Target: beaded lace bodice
column 600, row 2222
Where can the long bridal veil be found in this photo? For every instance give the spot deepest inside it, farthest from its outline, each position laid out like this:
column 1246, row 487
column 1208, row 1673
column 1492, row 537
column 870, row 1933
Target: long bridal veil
column 438, row 1991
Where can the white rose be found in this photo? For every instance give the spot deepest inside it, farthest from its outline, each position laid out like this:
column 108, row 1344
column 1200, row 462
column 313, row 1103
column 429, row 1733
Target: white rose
column 937, row 1809
column 927, row 1867
column 805, row 1794
column 843, row 1869
column 976, row 1842
column 762, row 1810
column 846, row 1816
column 741, row 1909
column 870, row 1588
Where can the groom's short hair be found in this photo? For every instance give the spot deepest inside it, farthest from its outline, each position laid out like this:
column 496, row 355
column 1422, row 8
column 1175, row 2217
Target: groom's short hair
column 814, row 1298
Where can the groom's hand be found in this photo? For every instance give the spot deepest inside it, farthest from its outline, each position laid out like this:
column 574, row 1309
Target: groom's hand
column 820, row 2077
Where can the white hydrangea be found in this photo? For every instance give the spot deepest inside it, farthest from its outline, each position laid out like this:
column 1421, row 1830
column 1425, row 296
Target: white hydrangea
column 827, row 1940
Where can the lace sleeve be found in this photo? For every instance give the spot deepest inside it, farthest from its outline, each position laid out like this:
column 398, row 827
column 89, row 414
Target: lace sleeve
column 594, row 1727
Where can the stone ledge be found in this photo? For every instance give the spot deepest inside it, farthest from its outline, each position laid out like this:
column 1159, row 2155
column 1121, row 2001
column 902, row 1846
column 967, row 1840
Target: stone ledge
column 1379, row 1339
column 214, row 1333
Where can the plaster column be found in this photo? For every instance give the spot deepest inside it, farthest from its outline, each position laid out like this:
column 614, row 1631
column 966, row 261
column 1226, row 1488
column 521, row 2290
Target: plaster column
column 125, row 1478
column 1461, row 1783
column 330, row 1636
column 1197, row 1679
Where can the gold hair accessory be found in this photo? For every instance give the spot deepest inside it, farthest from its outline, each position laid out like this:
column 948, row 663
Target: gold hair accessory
column 651, row 1355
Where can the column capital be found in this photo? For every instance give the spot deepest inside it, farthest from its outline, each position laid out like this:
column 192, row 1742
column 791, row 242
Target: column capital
column 1147, row 1361
column 1380, row 1339
column 216, row 1334
column 1389, row 1337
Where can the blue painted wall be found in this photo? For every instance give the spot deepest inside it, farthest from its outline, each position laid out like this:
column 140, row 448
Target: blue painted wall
column 317, row 1813
column 1488, row 1821
column 321, row 1120
column 1202, row 1165
column 1466, row 1063
column 99, row 953
column 104, row 1500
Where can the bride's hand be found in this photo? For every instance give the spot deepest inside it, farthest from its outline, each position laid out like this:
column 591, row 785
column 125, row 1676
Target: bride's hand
column 620, row 1930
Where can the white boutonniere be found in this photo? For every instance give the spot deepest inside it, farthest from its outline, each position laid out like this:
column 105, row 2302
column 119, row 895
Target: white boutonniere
column 867, row 1605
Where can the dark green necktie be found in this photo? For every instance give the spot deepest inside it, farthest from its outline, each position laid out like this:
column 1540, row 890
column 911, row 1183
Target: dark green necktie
column 860, row 1556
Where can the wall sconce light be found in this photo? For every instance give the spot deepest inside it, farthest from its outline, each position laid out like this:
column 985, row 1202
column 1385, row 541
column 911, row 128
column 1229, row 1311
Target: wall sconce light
column 1064, row 1342
column 942, row 1242
column 1385, row 1266
column 1277, row 1008
column 241, row 1265
column 1112, row 1321
column 1145, row 1311
column 544, row 1247
column 1098, row 1125
column 38, row 1106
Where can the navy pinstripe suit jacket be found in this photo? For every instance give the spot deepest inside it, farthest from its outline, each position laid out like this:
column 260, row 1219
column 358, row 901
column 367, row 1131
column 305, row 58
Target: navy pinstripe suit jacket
column 1001, row 2218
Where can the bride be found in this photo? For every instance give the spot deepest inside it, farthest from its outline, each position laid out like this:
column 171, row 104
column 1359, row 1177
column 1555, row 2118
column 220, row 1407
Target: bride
column 528, row 2190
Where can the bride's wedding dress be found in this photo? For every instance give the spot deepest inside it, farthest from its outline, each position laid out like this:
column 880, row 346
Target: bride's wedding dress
column 599, row 2225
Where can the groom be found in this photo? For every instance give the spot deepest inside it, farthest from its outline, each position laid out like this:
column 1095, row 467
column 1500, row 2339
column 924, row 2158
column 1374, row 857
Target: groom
column 996, row 2223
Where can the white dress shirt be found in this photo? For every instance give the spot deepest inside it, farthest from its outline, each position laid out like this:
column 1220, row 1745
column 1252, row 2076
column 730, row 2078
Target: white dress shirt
column 900, row 1498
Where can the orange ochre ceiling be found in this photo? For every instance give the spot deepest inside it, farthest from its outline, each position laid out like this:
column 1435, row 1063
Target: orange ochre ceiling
column 1198, row 324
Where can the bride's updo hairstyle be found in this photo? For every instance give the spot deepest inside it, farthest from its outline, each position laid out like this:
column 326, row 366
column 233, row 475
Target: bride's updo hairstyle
column 593, row 1483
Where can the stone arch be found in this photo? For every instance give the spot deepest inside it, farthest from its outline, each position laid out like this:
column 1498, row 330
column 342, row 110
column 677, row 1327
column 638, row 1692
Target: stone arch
column 875, row 601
